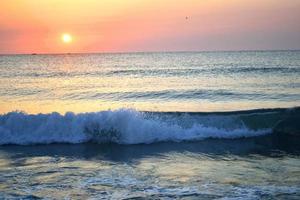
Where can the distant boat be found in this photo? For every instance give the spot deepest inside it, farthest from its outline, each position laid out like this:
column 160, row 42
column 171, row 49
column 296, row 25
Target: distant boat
column 34, row 54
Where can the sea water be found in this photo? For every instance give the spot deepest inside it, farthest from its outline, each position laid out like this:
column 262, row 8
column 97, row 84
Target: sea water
column 187, row 81
column 188, row 125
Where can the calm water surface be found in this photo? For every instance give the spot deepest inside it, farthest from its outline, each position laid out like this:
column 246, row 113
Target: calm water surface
column 204, row 81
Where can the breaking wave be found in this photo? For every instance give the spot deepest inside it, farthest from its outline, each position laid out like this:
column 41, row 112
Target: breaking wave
column 126, row 126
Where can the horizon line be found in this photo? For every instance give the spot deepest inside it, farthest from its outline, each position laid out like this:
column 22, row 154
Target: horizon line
column 136, row 52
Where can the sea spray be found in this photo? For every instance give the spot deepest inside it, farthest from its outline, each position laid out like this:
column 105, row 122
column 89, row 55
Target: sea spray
column 126, row 126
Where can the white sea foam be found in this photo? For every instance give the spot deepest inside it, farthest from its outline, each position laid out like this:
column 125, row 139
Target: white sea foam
column 120, row 126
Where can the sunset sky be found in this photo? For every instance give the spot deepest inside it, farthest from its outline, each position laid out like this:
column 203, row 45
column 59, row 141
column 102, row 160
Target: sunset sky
column 37, row 26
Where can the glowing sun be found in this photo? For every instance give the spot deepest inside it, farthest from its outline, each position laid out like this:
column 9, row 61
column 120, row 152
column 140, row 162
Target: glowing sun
column 66, row 38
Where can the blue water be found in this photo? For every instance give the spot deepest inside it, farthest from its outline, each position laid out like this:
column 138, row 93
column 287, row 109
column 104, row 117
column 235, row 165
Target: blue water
column 185, row 125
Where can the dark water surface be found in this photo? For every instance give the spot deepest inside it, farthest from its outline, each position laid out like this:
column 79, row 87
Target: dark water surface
column 253, row 168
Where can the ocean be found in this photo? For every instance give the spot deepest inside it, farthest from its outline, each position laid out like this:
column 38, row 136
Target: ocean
column 161, row 125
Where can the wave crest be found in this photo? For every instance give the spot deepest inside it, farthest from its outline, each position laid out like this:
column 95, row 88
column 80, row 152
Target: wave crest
column 127, row 126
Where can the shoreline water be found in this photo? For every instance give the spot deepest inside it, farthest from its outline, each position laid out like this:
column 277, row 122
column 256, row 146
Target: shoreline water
column 210, row 169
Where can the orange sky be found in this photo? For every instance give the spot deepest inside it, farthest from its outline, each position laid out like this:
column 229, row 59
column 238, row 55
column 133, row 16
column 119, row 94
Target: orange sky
column 28, row 26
